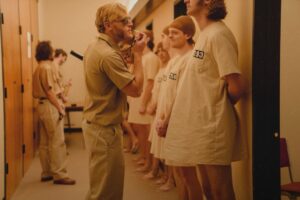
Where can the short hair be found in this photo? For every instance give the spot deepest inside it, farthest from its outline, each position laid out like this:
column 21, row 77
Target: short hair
column 150, row 43
column 160, row 47
column 58, row 52
column 108, row 13
column 217, row 10
column 44, row 51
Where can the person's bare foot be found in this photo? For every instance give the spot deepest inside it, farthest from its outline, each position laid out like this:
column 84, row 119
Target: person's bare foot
column 161, row 181
column 141, row 162
column 151, row 175
column 138, row 158
column 126, row 150
column 167, row 186
column 143, row 168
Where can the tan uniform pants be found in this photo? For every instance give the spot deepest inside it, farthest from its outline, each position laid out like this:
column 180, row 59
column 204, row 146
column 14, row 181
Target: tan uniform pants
column 106, row 161
column 52, row 149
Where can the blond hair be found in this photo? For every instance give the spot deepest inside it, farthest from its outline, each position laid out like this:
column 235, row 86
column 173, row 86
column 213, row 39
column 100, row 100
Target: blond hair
column 108, row 13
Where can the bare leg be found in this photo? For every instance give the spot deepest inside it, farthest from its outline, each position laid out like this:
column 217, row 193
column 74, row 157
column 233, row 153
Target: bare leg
column 163, row 179
column 217, row 182
column 141, row 157
column 154, row 169
column 182, row 189
column 142, row 131
column 191, row 182
column 170, row 184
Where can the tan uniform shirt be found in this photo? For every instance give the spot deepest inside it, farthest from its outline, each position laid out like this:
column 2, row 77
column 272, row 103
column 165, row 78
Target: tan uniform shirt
column 105, row 74
column 151, row 65
column 44, row 79
column 202, row 111
column 58, row 77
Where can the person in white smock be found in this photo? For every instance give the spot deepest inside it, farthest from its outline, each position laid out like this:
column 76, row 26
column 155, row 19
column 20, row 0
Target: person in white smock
column 137, row 117
column 181, row 32
column 203, row 111
column 151, row 109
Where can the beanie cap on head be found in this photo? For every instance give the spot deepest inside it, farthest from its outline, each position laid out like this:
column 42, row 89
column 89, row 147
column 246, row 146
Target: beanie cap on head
column 185, row 24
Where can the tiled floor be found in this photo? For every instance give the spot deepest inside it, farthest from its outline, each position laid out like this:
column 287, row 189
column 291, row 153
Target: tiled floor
column 135, row 187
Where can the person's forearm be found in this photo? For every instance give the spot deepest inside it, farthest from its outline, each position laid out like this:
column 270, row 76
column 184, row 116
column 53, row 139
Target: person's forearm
column 53, row 100
column 147, row 93
column 236, row 91
column 167, row 115
column 138, row 72
column 234, row 95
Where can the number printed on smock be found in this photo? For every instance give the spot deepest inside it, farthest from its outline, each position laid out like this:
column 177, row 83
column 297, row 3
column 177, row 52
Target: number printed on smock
column 199, row 60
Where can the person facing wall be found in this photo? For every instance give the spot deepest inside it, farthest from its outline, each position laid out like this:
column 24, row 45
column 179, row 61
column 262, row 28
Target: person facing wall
column 50, row 110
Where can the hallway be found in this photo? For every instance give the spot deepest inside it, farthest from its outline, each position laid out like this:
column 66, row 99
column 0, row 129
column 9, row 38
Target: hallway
column 31, row 188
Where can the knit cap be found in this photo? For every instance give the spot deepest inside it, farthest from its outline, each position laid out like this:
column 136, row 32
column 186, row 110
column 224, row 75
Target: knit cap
column 185, row 24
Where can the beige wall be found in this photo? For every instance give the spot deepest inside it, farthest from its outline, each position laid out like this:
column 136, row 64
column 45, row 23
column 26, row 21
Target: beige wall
column 69, row 24
column 160, row 18
column 1, row 130
column 240, row 21
column 289, row 84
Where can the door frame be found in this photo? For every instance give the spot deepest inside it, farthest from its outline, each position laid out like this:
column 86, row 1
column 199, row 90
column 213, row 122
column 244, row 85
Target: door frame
column 266, row 94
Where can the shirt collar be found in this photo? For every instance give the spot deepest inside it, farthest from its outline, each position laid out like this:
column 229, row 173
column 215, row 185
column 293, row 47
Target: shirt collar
column 109, row 40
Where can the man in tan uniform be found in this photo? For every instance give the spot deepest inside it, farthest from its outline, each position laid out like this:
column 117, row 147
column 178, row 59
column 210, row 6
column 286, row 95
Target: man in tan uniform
column 51, row 111
column 108, row 81
column 60, row 57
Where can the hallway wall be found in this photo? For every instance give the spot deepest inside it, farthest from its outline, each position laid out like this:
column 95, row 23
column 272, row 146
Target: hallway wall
column 70, row 25
column 240, row 21
column 160, row 18
column 289, row 84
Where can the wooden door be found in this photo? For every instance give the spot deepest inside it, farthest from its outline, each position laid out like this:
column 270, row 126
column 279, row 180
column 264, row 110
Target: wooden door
column 13, row 100
column 26, row 58
column 35, row 38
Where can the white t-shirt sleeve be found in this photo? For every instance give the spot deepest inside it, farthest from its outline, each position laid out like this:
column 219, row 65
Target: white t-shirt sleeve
column 225, row 53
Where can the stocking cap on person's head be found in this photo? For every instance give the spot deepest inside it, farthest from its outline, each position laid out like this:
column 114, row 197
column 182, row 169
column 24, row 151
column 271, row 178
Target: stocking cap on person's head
column 185, row 24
